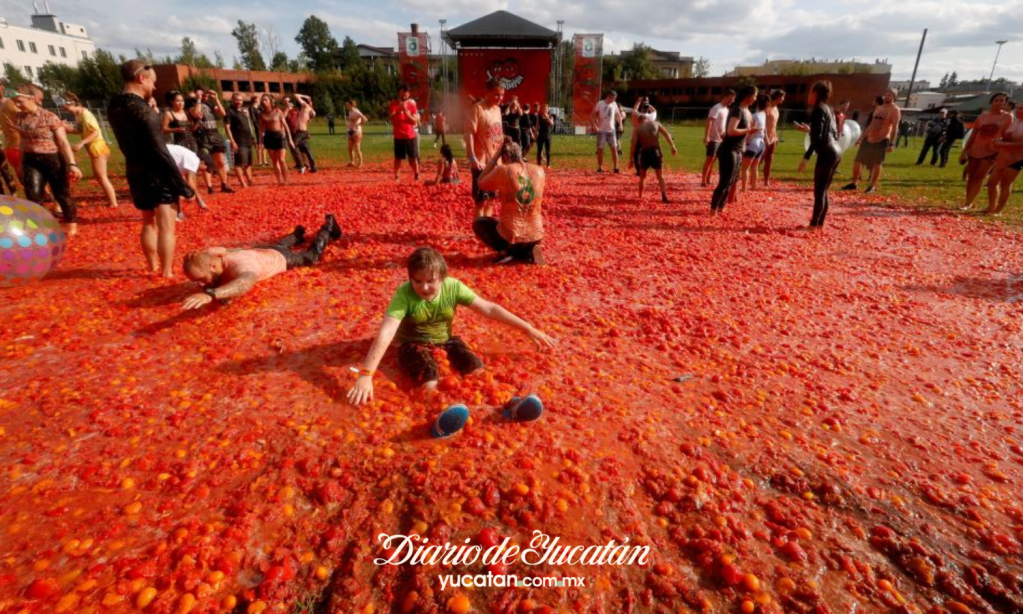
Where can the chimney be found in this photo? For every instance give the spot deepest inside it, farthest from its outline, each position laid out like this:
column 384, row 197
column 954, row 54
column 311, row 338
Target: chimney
column 415, row 28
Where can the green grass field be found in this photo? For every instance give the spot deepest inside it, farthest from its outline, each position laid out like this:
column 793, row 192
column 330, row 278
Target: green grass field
column 921, row 186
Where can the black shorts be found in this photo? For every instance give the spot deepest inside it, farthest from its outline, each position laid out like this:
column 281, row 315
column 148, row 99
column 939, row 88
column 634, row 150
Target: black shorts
column 872, row 154
column 478, row 195
column 243, row 157
column 712, row 149
column 217, row 148
column 148, row 192
column 1017, row 166
column 206, row 156
column 273, row 140
column 651, row 158
column 406, row 149
column 416, row 359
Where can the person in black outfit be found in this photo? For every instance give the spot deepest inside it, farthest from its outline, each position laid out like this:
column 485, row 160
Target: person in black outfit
column 241, row 133
column 513, row 115
column 953, row 132
column 738, row 125
column 526, row 124
column 934, row 134
column 153, row 177
column 544, row 128
column 824, row 142
column 330, row 123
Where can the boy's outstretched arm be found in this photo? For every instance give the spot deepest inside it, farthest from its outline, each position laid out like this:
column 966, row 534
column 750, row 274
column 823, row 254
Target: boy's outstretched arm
column 502, row 315
column 362, row 391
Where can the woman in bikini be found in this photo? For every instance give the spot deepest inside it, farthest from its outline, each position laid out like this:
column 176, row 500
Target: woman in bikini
column 356, row 120
column 276, row 135
column 1008, row 164
column 979, row 151
column 93, row 142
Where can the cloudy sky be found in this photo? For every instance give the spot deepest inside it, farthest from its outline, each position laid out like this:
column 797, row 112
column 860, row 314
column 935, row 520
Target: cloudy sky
column 728, row 32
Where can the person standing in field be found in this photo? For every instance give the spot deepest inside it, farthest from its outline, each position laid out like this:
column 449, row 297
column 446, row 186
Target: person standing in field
column 714, row 132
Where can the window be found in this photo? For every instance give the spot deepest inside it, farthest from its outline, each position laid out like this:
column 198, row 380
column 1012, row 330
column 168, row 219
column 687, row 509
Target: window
column 275, row 87
column 53, row 51
column 228, row 86
column 28, row 71
column 21, row 46
column 63, row 53
column 32, row 46
column 85, row 55
column 1, row 43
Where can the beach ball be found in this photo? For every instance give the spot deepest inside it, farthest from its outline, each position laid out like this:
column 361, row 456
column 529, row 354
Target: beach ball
column 850, row 132
column 31, row 241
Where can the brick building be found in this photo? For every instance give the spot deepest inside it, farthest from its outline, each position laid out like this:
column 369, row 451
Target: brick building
column 249, row 82
column 858, row 88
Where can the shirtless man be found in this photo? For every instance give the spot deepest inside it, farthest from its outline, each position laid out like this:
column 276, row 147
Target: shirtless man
column 484, row 141
column 771, row 132
column 646, row 147
column 229, row 273
column 877, row 141
column 298, row 122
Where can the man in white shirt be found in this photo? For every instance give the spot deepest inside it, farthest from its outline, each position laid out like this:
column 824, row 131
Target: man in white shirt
column 605, row 117
column 714, row 132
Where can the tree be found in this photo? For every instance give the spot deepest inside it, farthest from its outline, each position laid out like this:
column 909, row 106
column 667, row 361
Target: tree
column 190, row 55
column 248, row 45
column 279, row 62
column 189, row 52
column 953, row 79
column 638, row 64
column 270, row 43
column 99, row 76
column 58, row 78
column 218, row 59
column 944, row 81
column 701, row 68
column 317, row 43
column 13, row 76
column 349, row 56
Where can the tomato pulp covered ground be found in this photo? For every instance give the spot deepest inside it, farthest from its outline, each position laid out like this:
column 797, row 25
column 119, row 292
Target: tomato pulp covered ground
column 848, row 439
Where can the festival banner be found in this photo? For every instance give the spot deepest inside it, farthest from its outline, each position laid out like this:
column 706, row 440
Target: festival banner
column 589, row 51
column 414, row 67
column 522, row 72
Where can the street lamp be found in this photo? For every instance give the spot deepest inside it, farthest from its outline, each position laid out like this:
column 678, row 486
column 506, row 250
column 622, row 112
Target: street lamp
column 997, row 53
column 443, row 56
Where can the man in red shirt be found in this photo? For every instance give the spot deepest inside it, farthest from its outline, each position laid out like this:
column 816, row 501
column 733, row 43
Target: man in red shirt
column 404, row 119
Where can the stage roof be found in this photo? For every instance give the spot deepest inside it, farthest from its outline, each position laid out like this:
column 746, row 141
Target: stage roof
column 501, row 29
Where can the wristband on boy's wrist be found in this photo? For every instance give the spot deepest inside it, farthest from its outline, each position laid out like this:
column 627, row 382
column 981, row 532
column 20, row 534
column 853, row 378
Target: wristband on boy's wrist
column 359, row 372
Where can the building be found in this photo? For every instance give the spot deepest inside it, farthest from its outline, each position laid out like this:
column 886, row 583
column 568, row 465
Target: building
column 248, row 82
column 670, row 64
column 48, row 40
column 918, row 86
column 387, row 57
column 692, row 97
column 811, row 67
column 926, row 100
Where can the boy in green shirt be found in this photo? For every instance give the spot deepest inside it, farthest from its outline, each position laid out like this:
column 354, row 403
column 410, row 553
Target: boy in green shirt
column 420, row 315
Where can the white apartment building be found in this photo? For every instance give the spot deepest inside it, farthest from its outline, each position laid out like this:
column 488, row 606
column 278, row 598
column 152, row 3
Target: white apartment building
column 48, row 40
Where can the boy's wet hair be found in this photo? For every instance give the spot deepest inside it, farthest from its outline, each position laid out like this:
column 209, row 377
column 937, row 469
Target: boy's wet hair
column 427, row 260
column 447, row 153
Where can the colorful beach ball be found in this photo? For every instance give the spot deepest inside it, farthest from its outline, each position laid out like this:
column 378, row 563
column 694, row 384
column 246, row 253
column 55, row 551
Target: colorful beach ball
column 31, row 241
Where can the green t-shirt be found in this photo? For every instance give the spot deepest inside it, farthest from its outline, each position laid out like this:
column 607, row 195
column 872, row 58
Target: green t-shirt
column 428, row 321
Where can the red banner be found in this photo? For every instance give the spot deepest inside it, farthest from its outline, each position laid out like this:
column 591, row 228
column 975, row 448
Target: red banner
column 589, row 50
column 523, row 72
column 414, row 67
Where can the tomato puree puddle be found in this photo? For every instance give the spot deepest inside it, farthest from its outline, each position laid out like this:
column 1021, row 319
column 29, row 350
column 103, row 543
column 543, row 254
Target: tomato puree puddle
column 848, row 441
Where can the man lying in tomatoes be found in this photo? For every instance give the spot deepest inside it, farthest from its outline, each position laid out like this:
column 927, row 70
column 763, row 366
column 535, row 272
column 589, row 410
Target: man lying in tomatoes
column 421, row 314
column 228, row 273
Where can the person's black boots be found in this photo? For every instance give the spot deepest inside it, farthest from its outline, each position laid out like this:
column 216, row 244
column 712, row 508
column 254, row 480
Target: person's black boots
column 332, row 225
column 299, row 233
